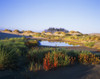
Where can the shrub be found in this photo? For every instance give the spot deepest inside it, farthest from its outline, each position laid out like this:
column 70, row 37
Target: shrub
column 54, row 59
column 72, row 60
column 36, row 54
column 88, row 58
column 32, row 43
column 89, row 44
column 17, row 44
column 16, row 31
column 35, row 67
column 8, row 58
column 12, row 52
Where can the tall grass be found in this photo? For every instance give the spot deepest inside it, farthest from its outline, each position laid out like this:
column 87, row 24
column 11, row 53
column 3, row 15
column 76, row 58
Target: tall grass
column 8, row 57
column 14, row 52
column 37, row 54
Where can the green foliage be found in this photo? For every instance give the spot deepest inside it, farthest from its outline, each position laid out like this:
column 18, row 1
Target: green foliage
column 89, row 44
column 8, row 57
column 35, row 66
column 13, row 52
column 31, row 43
column 15, row 43
column 80, row 39
column 88, row 58
column 37, row 54
column 55, row 59
column 16, row 52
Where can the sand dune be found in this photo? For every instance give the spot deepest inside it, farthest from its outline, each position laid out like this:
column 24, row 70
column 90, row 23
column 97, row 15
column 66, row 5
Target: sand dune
column 97, row 34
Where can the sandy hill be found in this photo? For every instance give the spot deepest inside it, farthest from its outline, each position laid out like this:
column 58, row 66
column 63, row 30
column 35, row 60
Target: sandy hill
column 97, row 34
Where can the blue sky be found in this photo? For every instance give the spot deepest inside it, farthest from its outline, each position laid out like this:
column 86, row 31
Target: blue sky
column 37, row 15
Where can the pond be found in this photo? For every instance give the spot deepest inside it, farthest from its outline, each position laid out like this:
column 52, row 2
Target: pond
column 48, row 43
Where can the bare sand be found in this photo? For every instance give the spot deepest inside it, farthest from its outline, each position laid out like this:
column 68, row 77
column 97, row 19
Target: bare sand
column 69, row 72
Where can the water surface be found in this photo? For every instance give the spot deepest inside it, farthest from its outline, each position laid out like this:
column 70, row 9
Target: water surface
column 47, row 43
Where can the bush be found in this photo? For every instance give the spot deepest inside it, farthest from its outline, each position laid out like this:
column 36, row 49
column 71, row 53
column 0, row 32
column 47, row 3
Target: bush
column 36, row 54
column 15, row 43
column 31, row 43
column 35, row 67
column 13, row 52
column 54, row 59
column 8, row 58
column 88, row 58
column 89, row 44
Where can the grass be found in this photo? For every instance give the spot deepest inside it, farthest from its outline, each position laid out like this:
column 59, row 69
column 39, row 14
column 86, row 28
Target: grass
column 55, row 59
column 13, row 52
column 37, row 54
column 22, row 52
column 83, row 39
column 90, row 44
column 8, row 57
column 44, row 55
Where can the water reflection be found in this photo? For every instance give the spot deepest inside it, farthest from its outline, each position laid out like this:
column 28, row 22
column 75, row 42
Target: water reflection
column 53, row 43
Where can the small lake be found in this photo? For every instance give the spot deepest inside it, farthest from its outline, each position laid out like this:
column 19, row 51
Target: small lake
column 48, row 43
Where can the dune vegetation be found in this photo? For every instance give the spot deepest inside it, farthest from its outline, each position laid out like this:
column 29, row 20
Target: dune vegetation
column 26, row 53
column 17, row 53
column 58, row 35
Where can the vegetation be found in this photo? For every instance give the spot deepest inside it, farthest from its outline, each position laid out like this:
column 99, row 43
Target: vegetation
column 7, row 30
column 17, row 31
column 18, row 53
column 85, row 40
column 52, row 30
column 13, row 52
column 88, row 58
column 55, row 59
column 90, row 44
column 74, row 31
column 8, row 57
column 29, row 31
column 22, row 52
column 60, row 34
column 48, row 58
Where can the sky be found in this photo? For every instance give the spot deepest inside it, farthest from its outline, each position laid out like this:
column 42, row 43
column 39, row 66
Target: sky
column 37, row 15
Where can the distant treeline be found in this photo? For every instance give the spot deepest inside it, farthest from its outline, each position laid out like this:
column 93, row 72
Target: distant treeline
column 52, row 30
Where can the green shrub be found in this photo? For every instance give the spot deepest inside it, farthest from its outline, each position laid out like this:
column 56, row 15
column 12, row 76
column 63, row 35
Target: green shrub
column 31, row 43
column 36, row 54
column 8, row 57
column 13, row 52
column 35, row 66
column 55, row 59
column 88, row 58
column 89, row 44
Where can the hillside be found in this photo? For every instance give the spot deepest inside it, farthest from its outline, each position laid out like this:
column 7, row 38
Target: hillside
column 97, row 34
column 6, row 35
